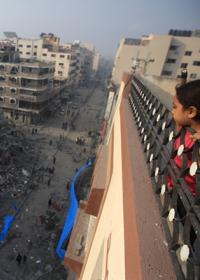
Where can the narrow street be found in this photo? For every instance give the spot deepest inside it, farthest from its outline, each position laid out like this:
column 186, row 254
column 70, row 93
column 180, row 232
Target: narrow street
column 37, row 227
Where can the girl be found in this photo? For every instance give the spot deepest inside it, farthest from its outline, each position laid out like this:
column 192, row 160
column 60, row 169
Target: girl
column 186, row 113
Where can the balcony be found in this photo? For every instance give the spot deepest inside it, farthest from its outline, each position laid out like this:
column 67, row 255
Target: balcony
column 33, row 87
column 9, row 95
column 36, row 76
column 140, row 231
column 100, row 180
column 80, row 240
column 5, row 102
column 31, row 98
column 157, row 133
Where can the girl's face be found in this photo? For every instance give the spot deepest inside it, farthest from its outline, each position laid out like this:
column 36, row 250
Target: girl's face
column 180, row 114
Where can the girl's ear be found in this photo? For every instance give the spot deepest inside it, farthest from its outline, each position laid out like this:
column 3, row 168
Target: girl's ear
column 192, row 112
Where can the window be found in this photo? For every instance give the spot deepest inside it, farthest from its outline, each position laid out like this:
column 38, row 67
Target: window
column 196, row 63
column 184, row 65
column 173, row 48
column 188, row 53
column 20, row 46
column 34, row 53
column 35, row 46
column 166, row 73
column 28, row 46
column 68, row 57
column 1, row 99
column 62, row 56
column 53, row 55
column 171, row 60
column 2, row 78
column 60, row 73
column 13, row 90
column 1, row 88
column 61, row 64
column 20, row 52
column 12, row 101
column 193, row 75
column 28, row 53
column 44, row 54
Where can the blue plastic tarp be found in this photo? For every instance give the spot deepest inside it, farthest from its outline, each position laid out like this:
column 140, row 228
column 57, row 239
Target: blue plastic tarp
column 71, row 214
column 8, row 220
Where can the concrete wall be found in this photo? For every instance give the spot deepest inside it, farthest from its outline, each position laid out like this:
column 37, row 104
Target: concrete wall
column 129, row 240
column 157, row 48
column 61, row 60
column 166, row 84
column 106, row 256
column 123, row 60
column 27, row 52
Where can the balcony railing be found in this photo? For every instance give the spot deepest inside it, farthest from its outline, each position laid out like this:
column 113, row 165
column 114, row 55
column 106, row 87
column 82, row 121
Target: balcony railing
column 32, row 98
column 179, row 207
column 38, row 76
column 32, row 75
column 34, row 87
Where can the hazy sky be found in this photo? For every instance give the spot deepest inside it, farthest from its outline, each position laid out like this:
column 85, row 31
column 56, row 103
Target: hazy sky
column 101, row 22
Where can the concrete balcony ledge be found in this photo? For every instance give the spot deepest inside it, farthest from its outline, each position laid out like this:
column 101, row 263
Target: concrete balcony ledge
column 34, row 88
column 128, row 241
column 100, row 181
column 39, row 98
column 80, row 239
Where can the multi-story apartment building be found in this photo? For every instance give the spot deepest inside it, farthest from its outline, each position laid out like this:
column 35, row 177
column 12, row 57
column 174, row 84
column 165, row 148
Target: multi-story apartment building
column 26, row 90
column 69, row 67
column 159, row 55
column 86, row 62
column 7, row 51
column 94, row 58
column 46, row 49
column 34, row 71
column 96, row 62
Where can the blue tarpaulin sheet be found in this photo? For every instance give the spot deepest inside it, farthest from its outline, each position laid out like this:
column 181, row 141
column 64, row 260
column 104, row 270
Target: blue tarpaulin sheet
column 8, row 220
column 71, row 214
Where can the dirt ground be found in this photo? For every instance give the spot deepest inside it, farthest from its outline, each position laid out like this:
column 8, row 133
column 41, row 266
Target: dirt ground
column 36, row 229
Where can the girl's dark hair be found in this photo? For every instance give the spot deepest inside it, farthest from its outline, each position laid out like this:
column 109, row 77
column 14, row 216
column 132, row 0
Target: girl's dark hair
column 189, row 95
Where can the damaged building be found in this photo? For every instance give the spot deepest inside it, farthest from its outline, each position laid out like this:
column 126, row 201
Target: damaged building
column 27, row 90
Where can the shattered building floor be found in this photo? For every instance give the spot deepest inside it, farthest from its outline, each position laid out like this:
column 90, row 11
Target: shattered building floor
column 36, row 164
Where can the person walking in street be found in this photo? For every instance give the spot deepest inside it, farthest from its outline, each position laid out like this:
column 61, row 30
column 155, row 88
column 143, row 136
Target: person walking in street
column 49, row 181
column 19, row 259
column 68, row 185
column 49, row 202
column 52, row 170
column 24, row 259
column 54, row 159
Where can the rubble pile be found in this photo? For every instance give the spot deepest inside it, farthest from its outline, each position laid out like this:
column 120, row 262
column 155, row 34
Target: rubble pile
column 18, row 158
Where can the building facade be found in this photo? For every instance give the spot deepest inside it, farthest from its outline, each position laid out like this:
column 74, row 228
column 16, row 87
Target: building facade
column 48, row 51
column 159, row 55
column 26, row 90
column 114, row 235
column 34, row 71
column 130, row 225
column 73, row 61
